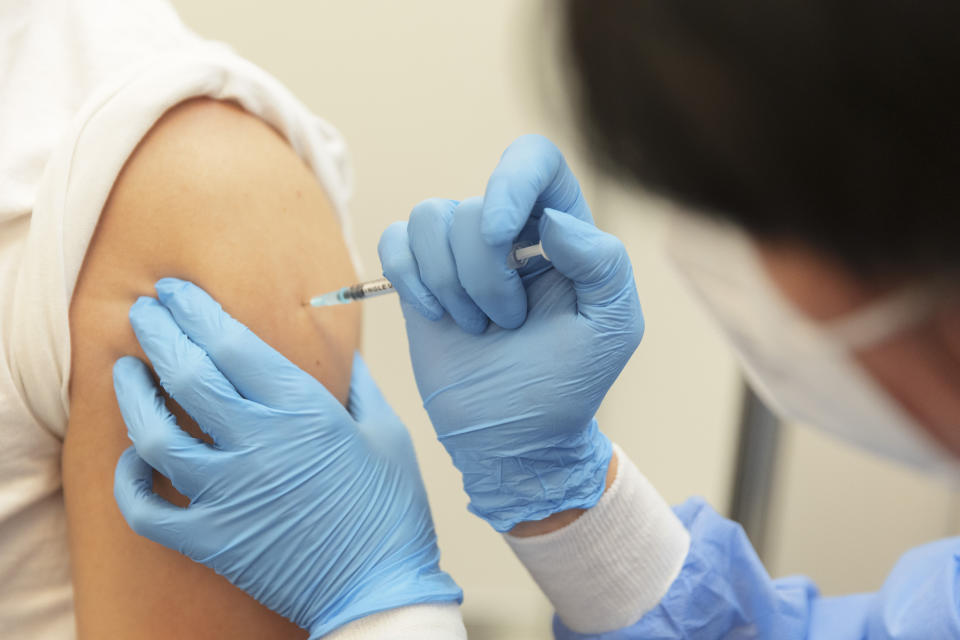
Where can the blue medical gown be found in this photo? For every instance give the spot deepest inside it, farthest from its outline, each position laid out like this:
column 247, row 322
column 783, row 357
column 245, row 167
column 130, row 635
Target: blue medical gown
column 723, row 591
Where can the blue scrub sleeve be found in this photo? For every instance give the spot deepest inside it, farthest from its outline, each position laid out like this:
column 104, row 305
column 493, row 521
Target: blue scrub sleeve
column 723, row 591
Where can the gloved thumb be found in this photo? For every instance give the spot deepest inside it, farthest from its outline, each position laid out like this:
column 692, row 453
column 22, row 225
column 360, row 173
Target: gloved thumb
column 147, row 513
column 365, row 399
column 594, row 260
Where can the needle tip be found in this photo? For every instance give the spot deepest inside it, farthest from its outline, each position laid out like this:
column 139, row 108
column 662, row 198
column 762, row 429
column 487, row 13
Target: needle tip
column 326, row 299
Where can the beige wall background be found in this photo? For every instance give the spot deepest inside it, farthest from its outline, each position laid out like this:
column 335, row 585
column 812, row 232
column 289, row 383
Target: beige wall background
column 428, row 93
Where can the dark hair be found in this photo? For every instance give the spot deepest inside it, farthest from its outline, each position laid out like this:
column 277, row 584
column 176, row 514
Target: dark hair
column 832, row 122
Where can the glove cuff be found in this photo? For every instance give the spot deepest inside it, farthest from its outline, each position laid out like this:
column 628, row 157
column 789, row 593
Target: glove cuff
column 533, row 484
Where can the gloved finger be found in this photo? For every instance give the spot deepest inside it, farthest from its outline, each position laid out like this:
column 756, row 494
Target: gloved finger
column 154, row 431
column 257, row 370
column 147, row 513
column 483, row 271
column 429, row 233
column 400, row 268
column 598, row 265
column 374, row 415
column 531, row 175
column 187, row 373
column 365, row 401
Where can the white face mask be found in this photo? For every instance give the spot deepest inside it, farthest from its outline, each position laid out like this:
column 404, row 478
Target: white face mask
column 807, row 371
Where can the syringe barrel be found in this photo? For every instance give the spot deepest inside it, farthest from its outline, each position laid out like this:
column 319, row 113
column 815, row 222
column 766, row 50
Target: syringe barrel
column 369, row 289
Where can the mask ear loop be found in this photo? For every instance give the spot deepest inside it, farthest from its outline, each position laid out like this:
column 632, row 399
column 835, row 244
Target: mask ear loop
column 887, row 317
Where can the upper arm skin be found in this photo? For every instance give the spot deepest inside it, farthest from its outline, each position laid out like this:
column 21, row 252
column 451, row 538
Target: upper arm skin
column 215, row 196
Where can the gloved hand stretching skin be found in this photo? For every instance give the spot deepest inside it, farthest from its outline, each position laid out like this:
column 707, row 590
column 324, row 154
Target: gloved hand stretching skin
column 317, row 511
column 515, row 407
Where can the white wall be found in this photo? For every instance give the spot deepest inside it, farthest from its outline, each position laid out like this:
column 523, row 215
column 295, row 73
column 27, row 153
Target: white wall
column 428, row 93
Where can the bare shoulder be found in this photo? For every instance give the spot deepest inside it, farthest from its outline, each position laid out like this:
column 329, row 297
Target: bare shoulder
column 215, row 195
column 212, row 195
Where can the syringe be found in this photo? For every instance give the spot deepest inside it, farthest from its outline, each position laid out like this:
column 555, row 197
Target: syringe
column 517, row 258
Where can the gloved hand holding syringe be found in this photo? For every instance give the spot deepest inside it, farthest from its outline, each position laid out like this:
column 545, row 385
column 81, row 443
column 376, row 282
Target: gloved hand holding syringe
column 517, row 258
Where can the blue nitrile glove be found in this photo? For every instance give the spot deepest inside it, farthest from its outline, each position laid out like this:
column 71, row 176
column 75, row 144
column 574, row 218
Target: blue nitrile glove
column 531, row 176
column 316, row 511
column 515, row 407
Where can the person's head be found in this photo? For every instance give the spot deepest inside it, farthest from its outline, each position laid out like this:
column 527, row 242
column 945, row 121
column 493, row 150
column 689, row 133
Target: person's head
column 829, row 130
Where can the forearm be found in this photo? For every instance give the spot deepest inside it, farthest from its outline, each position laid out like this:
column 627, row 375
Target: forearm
column 599, row 574
column 722, row 590
column 635, row 568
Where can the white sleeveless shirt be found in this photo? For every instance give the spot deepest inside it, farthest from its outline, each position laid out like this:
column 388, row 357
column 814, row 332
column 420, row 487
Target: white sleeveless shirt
column 81, row 82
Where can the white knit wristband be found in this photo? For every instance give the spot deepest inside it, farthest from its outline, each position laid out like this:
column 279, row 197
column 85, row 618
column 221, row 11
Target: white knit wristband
column 614, row 563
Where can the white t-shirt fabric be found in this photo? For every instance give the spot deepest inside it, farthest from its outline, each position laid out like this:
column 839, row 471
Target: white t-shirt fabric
column 420, row 621
column 81, row 83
